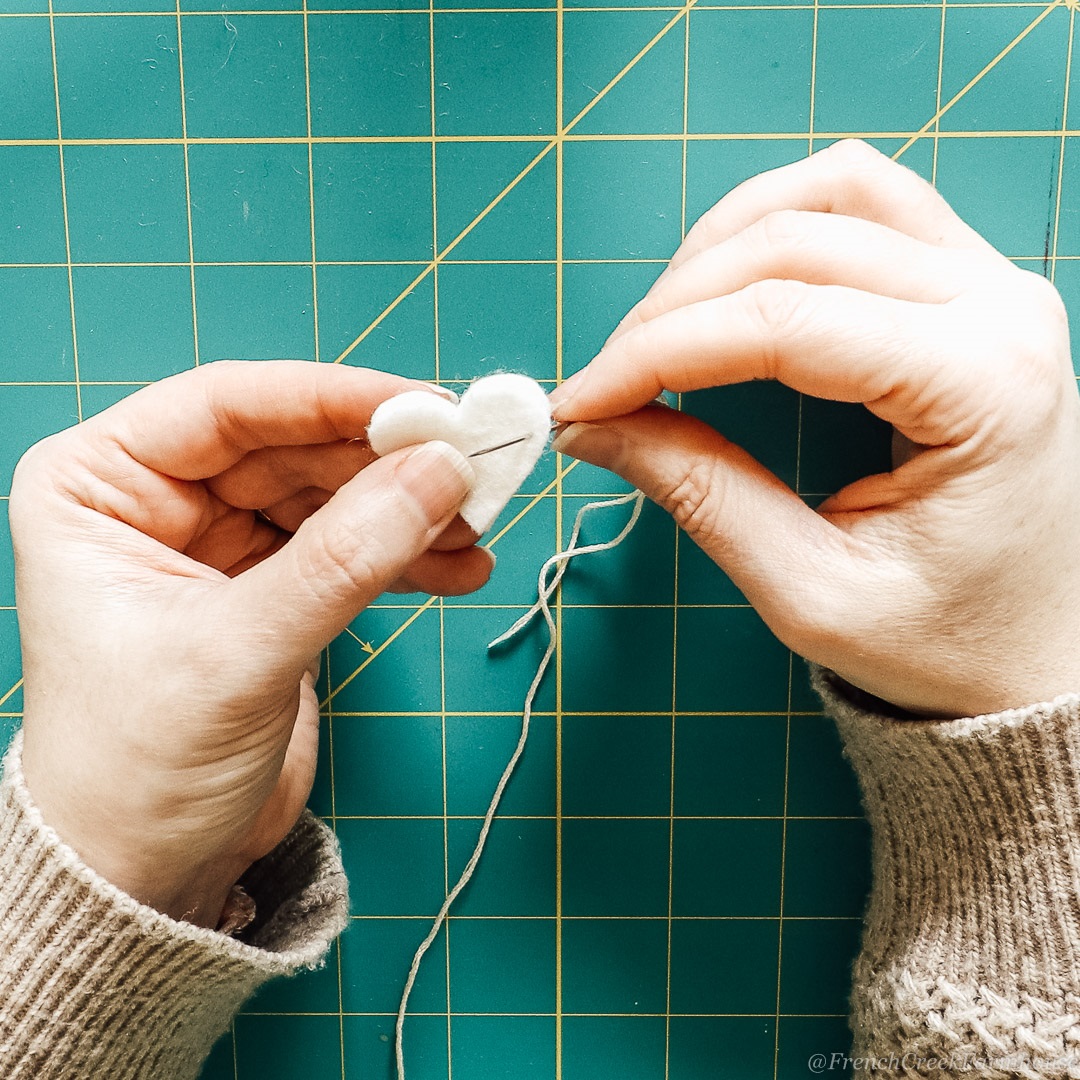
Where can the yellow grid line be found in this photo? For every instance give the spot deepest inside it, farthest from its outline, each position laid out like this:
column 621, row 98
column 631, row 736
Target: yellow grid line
column 187, row 181
column 1053, row 253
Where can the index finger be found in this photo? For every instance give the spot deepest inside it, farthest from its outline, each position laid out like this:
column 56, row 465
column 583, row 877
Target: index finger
column 831, row 341
column 196, row 424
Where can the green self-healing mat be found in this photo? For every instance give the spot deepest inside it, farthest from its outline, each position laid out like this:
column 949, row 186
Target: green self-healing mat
column 674, row 887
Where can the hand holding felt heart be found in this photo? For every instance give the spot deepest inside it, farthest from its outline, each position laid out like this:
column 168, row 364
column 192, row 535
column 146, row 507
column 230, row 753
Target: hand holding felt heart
column 493, row 411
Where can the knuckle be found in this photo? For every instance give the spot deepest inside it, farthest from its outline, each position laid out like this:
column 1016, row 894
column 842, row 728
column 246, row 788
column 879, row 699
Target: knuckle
column 785, row 228
column 856, row 152
column 694, row 499
column 780, row 306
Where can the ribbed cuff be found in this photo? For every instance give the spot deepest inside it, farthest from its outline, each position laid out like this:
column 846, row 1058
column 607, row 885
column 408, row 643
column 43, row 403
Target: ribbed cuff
column 971, row 949
column 95, row 984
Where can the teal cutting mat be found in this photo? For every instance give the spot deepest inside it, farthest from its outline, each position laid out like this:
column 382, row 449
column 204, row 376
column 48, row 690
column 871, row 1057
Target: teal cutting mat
column 673, row 890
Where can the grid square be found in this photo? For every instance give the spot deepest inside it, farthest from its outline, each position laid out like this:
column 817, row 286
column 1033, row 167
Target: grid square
column 481, row 681
column 369, row 74
column 375, row 955
column 818, row 955
column 119, row 77
column 517, row 873
column 801, row 1036
column 478, row 56
column 622, row 200
column 404, row 678
column 31, row 205
column 614, row 965
column 220, row 1065
column 615, row 868
column 820, row 781
column 597, row 46
column 30, row 413
column 394, row 765
column 1068, row 227
column 726, row 868
column 749, row 71
column 472, row 175
column 889, row 56
column 113, row 6
column 730, row 765
column 595, row 298
column 306, row 992
column 35, row 334
column 244, row 76
column 1003, row 187
column 826, row 868
column 480, row 983
column 504, row 1047
column 597, row 677
column 748, row 667
column 249, row 203
column 395, row 866
column 1021, row 93
column 287, row 1045
column 629, row 1047
column 721, row 1047
column 477, row 750
column 373, row 202
column 841, row 442
column 476, row 336
column 126, row 203
column 640, row 571
column 369, row 1046
column 713, row 168
column 27, row 101
column 616, row 765
column 351, row 298
column 134, row 321
column 737, row 412
column 255, row 312
column 745, row 951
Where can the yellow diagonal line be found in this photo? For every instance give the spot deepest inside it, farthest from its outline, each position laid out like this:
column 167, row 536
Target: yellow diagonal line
column 440, row 256
column 433, row 599
column 11, row 692
column 978, row 78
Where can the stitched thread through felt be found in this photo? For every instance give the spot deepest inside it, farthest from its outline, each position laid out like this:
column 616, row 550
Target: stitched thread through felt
column 545, row 589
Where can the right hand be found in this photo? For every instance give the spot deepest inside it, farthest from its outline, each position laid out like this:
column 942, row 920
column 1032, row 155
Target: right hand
column 949, row 586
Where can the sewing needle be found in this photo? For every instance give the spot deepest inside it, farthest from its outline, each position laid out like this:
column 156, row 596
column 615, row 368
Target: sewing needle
column 501, row 446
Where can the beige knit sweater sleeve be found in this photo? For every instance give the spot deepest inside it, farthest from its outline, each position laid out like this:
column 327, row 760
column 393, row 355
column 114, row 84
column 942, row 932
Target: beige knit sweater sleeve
column 970, row 961
column 94, row 984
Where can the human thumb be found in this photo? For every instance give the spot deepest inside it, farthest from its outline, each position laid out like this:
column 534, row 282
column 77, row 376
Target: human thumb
column 352, row 549
column 777, row 550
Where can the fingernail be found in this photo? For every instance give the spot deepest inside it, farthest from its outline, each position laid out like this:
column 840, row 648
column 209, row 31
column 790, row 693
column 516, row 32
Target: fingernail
column 490, row 554
column 437, row 477
column 443, row 391
column 562, row 394
column 594, row 443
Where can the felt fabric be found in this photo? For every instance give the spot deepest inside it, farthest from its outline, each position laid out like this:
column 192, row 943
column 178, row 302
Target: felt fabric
column 494, row 410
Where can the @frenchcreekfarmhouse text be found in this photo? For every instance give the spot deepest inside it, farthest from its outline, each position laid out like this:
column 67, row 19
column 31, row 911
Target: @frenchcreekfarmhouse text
column 923, row 1064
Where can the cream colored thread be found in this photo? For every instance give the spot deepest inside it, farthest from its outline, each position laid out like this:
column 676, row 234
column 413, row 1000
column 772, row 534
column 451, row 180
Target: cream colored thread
column 545, row 589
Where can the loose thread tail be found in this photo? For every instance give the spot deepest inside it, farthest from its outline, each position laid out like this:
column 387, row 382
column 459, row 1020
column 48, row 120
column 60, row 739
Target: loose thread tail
column 545, row 590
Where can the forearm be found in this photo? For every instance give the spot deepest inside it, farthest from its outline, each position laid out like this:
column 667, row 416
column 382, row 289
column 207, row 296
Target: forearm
column 971, row 948
column 93, row 983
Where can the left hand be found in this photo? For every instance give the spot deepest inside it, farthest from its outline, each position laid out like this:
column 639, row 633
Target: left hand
column 171, row 632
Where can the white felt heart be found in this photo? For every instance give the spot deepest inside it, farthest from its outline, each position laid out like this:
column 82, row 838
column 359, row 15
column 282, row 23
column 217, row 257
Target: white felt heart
column 493, row 411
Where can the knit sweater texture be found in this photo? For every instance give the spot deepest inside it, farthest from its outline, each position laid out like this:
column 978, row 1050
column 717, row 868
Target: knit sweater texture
column 970, row 960
column 970, row 964
column 95, row 984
